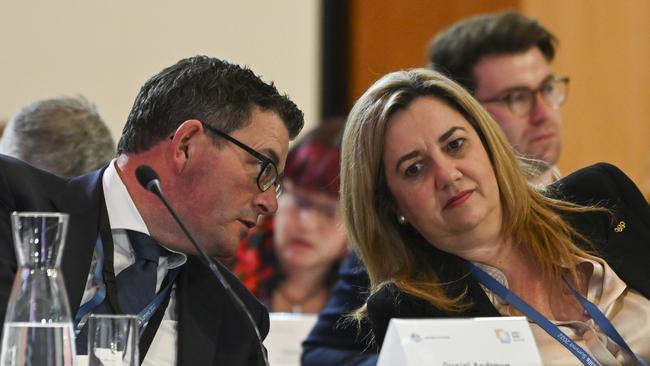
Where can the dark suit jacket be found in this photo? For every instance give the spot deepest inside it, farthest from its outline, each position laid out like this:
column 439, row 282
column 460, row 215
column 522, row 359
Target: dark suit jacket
column 627, row 252
column 333, row 340
column 211, row 329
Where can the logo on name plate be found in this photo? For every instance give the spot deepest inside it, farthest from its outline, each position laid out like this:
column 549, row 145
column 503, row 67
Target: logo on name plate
column 507, row 337
column 503, row 336
column 416, row 337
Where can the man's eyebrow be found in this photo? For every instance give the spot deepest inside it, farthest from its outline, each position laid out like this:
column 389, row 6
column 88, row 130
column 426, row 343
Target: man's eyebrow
column 511, row 89
column 271, row 154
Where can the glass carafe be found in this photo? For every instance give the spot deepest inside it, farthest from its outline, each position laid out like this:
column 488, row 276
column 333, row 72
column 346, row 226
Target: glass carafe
column 38, row 326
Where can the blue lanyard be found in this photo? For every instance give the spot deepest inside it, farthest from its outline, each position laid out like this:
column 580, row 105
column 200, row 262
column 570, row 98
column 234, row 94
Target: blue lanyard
column 604, row 324
column 145, row 314
column 547, row 325
column 100, row 295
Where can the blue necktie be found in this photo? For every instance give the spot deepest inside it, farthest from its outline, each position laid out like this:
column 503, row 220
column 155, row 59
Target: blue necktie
column 136, row 284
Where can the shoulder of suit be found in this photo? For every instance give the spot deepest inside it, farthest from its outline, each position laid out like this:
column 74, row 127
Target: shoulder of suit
column 21, row 169
column 21, row 178
column 598, row 184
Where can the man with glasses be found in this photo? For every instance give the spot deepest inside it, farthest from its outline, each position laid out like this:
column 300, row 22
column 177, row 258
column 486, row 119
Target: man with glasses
column 504, row 60
column 217, row 136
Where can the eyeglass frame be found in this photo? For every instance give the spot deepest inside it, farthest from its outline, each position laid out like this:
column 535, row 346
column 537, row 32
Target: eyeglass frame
column 533, row 92
column 265, row 160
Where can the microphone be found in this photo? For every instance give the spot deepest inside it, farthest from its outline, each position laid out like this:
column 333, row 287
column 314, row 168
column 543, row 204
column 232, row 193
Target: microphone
column 149, row 180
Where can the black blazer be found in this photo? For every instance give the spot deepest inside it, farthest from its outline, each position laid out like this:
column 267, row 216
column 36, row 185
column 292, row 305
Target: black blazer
column 211, row 329
column 333, row 341
column 626, row 251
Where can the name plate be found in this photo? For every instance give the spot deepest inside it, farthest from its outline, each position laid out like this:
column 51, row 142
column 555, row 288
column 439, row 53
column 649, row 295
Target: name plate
column 501, row 341
column 286, row 333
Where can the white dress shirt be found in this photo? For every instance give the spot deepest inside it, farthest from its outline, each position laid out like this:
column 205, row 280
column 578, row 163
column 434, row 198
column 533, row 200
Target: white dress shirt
column 123, row 215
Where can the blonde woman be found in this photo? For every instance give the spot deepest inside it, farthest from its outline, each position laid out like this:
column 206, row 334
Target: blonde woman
column 447, row 226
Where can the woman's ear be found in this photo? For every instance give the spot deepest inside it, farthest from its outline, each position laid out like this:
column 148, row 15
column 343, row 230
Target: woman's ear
column 185, row 144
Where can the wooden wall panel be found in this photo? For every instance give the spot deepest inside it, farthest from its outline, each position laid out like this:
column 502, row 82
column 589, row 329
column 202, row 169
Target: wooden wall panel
column 391, row 35
column 605, row 48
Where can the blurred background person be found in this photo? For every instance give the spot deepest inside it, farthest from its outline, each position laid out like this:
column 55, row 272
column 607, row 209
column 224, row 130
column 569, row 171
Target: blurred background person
column 447, row 226
column 291, row 261
column 64, row 135
column 504, row 61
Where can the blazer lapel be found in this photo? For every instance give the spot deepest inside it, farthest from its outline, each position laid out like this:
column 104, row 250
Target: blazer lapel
column 81, row 199
column 200, row 303
column 453, row 270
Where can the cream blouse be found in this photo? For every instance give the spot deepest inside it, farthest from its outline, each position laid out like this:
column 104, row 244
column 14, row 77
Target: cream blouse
column 625, row 308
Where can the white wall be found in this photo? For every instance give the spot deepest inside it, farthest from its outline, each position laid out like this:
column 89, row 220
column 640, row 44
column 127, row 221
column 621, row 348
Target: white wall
column 105, row 50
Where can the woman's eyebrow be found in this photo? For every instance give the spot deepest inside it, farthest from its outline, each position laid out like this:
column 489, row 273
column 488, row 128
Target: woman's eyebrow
column 447, row 134
column 406, row 157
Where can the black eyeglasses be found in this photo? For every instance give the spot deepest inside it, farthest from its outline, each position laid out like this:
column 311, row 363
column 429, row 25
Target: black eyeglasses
column 268, row 175
column 521, row 101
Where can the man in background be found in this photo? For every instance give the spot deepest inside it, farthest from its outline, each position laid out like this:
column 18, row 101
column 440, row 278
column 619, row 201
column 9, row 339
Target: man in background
column 503, row 59
column 65, row 136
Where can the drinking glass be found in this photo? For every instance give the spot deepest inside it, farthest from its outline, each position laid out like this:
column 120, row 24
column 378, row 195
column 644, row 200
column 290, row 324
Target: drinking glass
column 113, row 340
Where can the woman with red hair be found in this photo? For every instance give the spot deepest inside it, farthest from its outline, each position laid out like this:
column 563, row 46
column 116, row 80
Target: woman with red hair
column 290, row 261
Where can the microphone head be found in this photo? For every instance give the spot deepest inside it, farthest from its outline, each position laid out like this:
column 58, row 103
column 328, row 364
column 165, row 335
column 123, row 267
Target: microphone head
column 147, row 177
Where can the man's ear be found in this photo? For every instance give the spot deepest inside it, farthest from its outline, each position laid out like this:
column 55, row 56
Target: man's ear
column 185, row 144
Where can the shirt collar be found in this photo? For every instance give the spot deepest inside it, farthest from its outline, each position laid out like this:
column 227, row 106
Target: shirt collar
column 122, row 212
column 124, row 215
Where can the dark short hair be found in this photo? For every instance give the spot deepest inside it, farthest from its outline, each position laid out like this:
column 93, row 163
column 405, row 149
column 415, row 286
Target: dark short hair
column 456, row 50
column 208, row 89
column 314, row 162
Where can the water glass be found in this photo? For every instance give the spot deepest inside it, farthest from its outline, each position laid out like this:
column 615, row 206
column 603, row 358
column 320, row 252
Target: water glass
column 113, row 340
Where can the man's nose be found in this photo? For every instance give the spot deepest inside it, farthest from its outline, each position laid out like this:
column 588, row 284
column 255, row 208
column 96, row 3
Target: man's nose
column 541, row 109
column 266, row 202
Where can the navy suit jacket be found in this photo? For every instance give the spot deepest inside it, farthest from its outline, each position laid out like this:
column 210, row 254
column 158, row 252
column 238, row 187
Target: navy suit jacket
column 627, row 252
column 211, row 329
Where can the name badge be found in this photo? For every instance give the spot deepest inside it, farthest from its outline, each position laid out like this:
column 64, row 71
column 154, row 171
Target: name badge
column 496, row 341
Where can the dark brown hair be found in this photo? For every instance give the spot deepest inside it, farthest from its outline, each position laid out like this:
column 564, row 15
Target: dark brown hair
column 456, row 50
column 205, row 88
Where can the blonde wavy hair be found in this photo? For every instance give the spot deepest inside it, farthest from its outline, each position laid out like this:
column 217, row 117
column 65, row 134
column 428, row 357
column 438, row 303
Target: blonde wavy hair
column 387, row 249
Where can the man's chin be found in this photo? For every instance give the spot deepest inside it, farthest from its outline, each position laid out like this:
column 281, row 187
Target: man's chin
column 219, row 250
column 549, row 154
column 542, row 161
column 226, row 252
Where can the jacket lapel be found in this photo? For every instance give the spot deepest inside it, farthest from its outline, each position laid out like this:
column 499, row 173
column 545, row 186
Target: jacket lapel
column 81, row 199
column 453, row 270
column 200, row 306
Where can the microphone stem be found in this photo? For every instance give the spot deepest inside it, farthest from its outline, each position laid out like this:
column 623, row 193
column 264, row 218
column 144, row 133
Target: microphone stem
column 216, row 272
